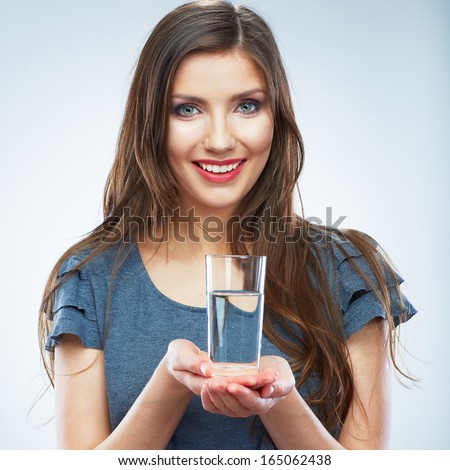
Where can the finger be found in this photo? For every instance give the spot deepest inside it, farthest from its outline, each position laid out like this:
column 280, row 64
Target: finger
column 194, row 363
column 266, row 377
column 255, row 381
column 207, row 403
column 215, row 391
column 230, row 404
column 278, row 389
column 207, row 366
column 248, row 399
column 267, row 391
column 192, row 381
column 185, row 356
column 217, row 384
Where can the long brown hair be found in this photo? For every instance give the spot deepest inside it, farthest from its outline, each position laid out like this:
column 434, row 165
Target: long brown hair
column 141, row 184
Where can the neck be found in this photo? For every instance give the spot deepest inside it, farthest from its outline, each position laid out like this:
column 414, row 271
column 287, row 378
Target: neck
column 186, row 234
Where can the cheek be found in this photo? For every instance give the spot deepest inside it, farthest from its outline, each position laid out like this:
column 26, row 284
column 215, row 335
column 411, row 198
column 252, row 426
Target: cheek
column 258, row 136
column 181, row 139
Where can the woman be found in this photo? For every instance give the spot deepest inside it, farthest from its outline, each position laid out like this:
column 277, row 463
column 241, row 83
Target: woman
column 209, row 135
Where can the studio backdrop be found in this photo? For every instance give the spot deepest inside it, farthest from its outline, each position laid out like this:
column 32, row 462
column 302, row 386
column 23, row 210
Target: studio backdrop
column 370, row 86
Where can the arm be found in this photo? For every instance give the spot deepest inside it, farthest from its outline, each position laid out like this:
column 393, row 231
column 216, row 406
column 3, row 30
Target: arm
column 82, row 416
column 292, row 424
column 290, row 421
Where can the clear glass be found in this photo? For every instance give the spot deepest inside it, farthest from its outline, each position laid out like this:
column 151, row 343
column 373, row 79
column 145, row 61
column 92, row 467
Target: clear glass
column 235, row 304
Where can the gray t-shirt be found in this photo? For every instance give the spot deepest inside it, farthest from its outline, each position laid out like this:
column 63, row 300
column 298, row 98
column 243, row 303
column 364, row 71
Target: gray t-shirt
column 143, row 321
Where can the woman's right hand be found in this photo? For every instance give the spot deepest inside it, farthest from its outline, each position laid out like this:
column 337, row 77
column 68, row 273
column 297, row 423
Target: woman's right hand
column 188, row 364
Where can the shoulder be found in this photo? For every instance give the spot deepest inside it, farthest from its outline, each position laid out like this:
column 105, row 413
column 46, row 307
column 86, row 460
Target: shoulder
column 360, row 277
column 94, row 262
column 353, row 252
column 353, row 263
column 334, row 247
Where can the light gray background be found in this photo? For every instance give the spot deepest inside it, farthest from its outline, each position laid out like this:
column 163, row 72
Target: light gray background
column 370, row 84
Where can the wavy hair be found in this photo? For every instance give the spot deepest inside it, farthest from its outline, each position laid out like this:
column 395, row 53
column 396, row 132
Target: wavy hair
column 141, row 184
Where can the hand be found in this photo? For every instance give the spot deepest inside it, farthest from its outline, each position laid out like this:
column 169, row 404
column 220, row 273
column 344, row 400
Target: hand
column 188, row 364
column 244, row 396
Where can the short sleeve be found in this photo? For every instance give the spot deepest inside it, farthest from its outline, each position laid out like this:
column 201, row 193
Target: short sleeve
column 74, row 308
column 359, row 303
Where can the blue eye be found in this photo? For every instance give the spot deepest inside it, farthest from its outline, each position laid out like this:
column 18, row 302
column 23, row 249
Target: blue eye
column 186, row 110
column 249, row 107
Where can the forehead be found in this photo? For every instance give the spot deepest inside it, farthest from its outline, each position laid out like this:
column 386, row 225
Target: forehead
column 227, row 72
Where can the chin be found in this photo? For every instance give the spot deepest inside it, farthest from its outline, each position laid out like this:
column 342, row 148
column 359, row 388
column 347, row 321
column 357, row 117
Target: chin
column 219, row 207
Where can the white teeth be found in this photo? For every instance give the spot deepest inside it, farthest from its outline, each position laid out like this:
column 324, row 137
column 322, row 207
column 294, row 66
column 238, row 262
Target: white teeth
column 219, row 168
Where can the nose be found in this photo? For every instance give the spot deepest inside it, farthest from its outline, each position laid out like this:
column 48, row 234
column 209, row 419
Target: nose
column 219, row 136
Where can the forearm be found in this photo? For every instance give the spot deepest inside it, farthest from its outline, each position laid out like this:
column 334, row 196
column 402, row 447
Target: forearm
column 293, row 425
column 153, row 418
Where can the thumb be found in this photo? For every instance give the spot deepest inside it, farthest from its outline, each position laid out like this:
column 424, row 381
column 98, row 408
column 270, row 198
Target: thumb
column 280, row 388
column 196, row 364
column 267, row 391
column 200, row 366
column 277, row 389
column 206, row 368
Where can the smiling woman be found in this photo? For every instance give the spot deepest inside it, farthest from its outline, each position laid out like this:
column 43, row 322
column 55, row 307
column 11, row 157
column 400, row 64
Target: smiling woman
column 220, row 127
column 209, row 132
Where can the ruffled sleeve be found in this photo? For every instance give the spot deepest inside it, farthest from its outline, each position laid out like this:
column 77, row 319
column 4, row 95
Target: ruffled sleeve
column 358, row 302
column 74, row 308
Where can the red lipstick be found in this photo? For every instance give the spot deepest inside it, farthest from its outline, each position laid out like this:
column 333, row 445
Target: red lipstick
column 219, row 177
column 220, row 162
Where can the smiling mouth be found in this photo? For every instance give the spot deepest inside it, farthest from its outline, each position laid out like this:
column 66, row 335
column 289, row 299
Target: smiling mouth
column 217, row 169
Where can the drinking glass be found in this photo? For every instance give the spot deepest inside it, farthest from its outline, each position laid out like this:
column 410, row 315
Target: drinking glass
column 235, row 305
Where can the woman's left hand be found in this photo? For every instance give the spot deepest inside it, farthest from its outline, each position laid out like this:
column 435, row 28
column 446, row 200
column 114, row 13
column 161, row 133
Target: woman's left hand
column 230, row 397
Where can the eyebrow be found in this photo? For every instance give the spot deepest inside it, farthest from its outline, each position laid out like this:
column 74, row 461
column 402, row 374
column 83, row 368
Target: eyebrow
column 234, row 97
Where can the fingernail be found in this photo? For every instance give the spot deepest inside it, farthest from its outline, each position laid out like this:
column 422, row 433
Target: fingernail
column 271, row 389
column 203, row 368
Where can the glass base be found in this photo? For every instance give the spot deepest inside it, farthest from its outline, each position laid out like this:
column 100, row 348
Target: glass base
column 232, row 369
